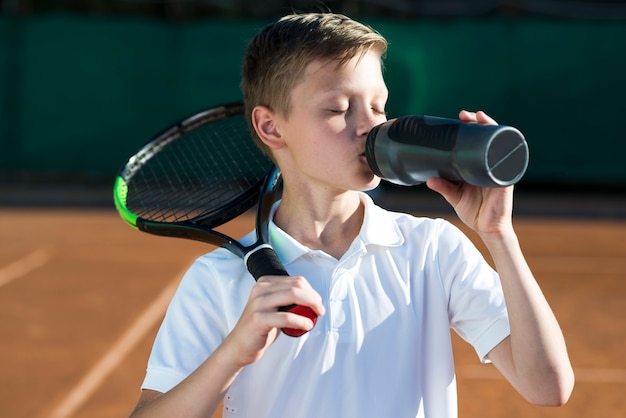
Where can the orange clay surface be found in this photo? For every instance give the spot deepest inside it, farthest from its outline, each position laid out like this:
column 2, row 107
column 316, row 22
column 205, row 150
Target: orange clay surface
column 82, row 294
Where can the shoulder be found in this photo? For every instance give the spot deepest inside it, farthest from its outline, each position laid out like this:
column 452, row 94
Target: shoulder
column 410, row 225
column 214, row 263
column 220, row 260
column 378, row 214
column 414, row 234
column 214, row 273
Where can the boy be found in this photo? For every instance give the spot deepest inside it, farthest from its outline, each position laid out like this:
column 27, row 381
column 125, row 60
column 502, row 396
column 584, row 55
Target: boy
column 387, row 286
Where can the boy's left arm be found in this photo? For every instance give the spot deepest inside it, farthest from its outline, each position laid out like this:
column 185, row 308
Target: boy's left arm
column 534, row 357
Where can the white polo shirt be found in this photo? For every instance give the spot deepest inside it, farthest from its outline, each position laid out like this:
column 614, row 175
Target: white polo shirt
column 382, row 350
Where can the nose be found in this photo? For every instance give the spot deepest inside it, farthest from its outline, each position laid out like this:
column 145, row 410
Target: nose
column 368, row 120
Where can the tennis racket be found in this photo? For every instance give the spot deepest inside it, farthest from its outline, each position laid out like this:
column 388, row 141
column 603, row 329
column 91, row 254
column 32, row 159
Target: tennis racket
column 199, row 174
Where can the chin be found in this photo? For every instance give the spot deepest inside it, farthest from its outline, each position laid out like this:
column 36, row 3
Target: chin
column 371, row 184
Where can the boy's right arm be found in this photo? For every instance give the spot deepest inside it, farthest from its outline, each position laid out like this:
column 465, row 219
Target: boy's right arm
column 201, row 392
column 199, row 395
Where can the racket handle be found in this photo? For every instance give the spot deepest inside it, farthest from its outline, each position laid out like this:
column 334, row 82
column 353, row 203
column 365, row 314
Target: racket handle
column 263, row 261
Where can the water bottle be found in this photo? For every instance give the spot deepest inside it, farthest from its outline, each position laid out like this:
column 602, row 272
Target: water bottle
column 409, row 150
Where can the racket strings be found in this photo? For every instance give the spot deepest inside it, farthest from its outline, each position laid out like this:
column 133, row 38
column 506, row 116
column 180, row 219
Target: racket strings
column 199, row 172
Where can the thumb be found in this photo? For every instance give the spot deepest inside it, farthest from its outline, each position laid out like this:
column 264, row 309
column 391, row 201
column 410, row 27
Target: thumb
column 450, row 191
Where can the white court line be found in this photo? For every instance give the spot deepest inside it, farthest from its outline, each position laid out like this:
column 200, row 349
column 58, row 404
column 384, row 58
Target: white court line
column 92, row 380
column 23, row 266
column 582, row 374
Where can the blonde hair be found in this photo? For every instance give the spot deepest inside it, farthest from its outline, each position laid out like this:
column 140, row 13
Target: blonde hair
column 277, row 56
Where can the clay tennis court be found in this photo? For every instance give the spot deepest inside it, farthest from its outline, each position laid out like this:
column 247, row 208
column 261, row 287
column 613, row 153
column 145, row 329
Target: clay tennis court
column 82, row 294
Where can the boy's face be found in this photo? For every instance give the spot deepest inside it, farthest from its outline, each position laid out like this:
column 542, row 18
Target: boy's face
column 331, row 112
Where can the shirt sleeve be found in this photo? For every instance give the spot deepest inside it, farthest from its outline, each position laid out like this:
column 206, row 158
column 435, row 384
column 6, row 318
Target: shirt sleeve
column 476, row 305
column 199, row 316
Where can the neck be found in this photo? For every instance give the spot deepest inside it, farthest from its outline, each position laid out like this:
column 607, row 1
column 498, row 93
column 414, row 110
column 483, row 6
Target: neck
column 329, row 224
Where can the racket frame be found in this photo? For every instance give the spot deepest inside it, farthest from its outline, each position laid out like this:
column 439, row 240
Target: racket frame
column 259, row 258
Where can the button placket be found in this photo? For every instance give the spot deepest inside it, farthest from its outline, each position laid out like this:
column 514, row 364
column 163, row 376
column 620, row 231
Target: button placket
column 339, row 294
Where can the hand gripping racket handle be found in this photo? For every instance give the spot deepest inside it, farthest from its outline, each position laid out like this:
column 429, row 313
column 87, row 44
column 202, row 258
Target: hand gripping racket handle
column 264, row 262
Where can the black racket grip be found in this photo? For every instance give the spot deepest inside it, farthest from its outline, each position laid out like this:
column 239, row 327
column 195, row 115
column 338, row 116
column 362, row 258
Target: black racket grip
column 264, row 261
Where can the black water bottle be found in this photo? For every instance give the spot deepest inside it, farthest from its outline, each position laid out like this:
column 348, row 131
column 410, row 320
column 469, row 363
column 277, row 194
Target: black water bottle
column 411, row 149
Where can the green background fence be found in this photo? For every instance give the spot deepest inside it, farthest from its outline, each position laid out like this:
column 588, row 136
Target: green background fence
column 80, row 94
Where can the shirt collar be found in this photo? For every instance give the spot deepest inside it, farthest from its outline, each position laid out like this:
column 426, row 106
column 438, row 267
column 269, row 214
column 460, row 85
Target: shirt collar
column 379, row 228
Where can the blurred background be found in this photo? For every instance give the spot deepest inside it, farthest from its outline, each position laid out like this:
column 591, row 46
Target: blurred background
column 84, row 83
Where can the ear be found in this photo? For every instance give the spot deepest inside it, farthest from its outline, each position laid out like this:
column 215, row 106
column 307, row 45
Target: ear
column 265, row 124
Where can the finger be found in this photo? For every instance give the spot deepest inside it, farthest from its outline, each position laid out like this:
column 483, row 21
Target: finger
column 467, row 116
column 450, row 191
column 262, row 316
column 278, row 291
column 482, row 117
column 295, row 320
